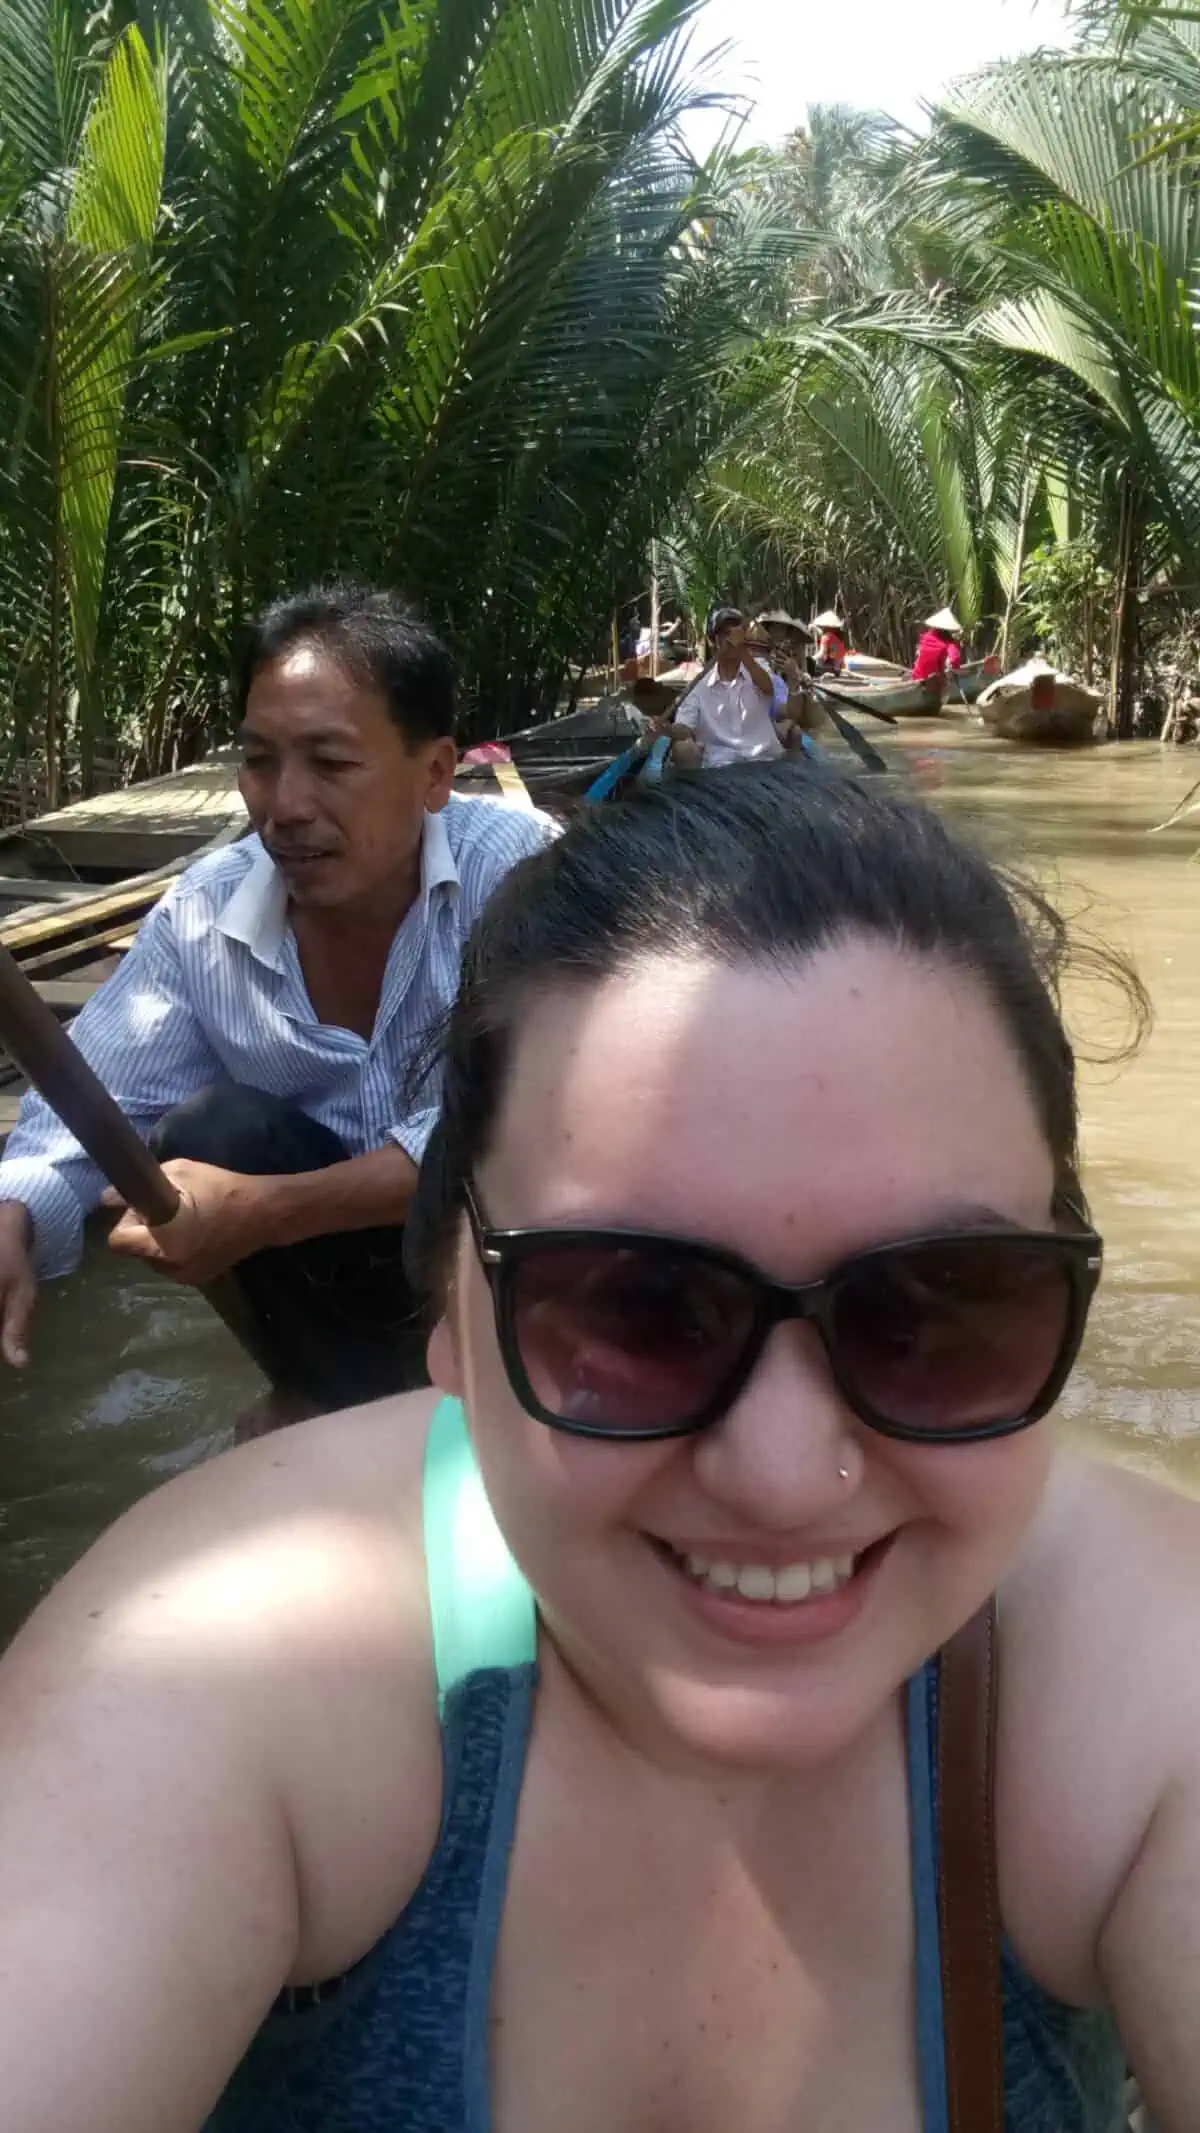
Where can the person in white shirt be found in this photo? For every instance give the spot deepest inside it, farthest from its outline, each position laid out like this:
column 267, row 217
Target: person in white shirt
column 729, row 716
column 264, row 1031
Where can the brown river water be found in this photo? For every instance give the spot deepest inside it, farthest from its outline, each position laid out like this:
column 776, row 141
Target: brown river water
column 133, row 1380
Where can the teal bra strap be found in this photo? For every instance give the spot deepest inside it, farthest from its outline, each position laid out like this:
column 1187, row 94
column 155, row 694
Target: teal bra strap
column 482, row 1610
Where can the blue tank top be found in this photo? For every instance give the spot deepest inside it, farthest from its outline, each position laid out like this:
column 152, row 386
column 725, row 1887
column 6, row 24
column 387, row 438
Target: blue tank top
column 400, row 2043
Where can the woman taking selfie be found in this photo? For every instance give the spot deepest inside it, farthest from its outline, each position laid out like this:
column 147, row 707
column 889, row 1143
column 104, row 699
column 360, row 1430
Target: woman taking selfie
column 759, row 1259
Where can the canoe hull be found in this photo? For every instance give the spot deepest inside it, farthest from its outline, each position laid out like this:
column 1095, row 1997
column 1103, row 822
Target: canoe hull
column 1014, row 718
column 909, row 699
column 1042, row 709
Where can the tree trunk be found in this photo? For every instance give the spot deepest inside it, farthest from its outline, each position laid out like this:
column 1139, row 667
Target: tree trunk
column 52, row 713
column 1014, row 589
column 1124, row 664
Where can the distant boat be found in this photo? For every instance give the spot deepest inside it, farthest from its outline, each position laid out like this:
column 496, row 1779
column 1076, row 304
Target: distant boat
column 884, row 687
column 1041, row 708
column 899, row 699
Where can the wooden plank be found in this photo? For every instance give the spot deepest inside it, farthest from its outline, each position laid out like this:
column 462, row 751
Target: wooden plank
column 81, row 919
column 93, row 907
column 134, row 850
column 67, row 996
column 16, row 889
column 137, row 826
column 73, row 956
column 513, row 788
column 10, row 1103
column 203, row 789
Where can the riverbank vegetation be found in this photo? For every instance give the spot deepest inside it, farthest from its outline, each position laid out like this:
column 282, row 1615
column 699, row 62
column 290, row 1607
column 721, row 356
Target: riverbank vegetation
column 993, row 391
column 434, row 291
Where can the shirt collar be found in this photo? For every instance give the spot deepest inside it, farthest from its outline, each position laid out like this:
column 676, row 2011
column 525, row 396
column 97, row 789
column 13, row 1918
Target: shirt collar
column 716, row 679
column 438, row 868
column 256, row 913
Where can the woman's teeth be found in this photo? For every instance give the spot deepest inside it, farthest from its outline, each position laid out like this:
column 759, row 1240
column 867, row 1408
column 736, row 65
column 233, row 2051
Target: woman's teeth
column 780, row 1588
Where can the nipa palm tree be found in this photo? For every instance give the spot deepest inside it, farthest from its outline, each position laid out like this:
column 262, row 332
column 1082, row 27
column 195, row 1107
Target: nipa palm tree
column 432, row 293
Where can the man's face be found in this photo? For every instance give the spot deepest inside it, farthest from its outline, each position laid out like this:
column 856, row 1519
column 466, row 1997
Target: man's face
column 331, row 784
column 731, row 640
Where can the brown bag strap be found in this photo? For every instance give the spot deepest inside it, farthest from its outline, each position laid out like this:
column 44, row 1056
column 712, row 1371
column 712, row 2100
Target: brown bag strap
column 968, row 1897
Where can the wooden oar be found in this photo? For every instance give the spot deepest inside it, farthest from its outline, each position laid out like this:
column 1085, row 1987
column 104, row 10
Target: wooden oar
column 31, row 1032
column 859, row 703
column 954, row 674
column 854, row 740
column 1189, row 805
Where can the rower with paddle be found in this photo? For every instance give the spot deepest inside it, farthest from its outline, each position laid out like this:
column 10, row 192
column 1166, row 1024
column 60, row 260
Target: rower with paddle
column 737, row 711
column 261, row 1031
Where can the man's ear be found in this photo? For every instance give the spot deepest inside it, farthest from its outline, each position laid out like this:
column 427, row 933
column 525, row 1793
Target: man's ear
column 445, row 1363
column 441, row 764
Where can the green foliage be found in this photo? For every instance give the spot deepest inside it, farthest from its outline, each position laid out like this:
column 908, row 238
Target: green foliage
column 1066, row 593
column 994, row 350
column 428, row 292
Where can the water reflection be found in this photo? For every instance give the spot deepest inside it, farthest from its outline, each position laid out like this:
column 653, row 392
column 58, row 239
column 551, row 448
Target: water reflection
column 133, row 1380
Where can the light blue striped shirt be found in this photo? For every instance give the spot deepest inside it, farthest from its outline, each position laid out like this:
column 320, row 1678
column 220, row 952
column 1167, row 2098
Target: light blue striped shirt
column 212, row 990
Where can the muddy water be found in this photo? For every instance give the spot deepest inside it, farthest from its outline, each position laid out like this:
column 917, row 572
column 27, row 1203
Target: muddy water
column 1082, row 824
column 132, row 1380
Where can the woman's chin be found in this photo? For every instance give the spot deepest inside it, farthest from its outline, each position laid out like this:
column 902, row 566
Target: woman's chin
column 766, row 1730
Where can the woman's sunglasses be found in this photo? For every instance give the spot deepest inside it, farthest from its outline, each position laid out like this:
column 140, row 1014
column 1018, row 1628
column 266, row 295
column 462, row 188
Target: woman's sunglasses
column 954, row 1338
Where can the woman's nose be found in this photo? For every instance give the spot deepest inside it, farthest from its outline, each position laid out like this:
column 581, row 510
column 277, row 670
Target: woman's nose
column 788, row 1452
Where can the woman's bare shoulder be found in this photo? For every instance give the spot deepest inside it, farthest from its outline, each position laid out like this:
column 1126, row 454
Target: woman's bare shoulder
column 1100, row 1701
column 1120, row 1545
column 254, row 1538
column 274, row 1599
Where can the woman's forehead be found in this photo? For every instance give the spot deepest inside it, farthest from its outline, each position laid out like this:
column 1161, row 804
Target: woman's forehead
column 861, row 1092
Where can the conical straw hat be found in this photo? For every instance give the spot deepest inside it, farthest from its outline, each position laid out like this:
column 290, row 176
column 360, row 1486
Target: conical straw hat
column 945, row 619
column 830, row 620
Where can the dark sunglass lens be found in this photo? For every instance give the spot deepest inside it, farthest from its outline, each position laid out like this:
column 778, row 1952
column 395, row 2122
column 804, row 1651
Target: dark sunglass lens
column 954, row 1336
column 627, row 1337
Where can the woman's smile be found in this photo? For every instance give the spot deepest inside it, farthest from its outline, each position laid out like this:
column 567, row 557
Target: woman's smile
column 800, row 1601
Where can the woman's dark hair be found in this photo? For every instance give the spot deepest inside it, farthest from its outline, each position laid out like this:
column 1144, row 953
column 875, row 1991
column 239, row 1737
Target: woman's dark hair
column 376, row 638
column 754, row 863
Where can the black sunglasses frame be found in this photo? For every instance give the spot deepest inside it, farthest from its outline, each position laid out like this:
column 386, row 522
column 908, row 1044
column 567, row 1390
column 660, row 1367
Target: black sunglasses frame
column 776, row 1303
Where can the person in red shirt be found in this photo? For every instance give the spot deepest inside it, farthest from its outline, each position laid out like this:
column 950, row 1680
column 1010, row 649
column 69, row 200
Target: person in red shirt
column 831, row 643
column 939, row 649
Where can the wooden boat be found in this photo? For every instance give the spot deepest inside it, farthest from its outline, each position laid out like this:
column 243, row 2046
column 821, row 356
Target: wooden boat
column 678, row 680
column 888, row 688
column 561, row 757
column 904, row 699
column 971, row 681
column 1041, row 708
column 861, row 667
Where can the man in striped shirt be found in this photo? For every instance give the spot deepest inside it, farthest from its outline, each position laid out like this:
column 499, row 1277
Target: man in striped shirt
column 263, row 1029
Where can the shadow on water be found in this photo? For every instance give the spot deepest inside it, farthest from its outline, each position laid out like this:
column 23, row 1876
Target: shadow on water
column 133, row 1380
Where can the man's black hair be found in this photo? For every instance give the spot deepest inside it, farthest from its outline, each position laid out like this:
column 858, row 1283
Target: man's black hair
column 376, row 638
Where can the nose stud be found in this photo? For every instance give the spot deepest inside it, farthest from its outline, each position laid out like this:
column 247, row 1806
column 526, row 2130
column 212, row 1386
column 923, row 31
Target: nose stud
column 843, row 1473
